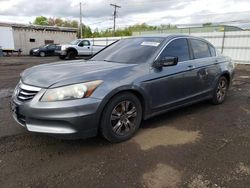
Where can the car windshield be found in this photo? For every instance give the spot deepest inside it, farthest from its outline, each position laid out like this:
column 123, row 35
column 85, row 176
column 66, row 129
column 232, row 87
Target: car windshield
column 130, row 50
column 74, row 42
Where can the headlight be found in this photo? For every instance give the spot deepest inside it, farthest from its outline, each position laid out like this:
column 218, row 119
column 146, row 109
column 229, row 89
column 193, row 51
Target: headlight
column 64, row 48
column 71, row 92
column 35, row 50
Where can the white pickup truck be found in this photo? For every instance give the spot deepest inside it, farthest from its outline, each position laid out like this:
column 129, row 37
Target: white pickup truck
column 79, row 47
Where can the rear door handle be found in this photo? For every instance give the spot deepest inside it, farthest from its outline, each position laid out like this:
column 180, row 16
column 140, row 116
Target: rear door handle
column 190, row 67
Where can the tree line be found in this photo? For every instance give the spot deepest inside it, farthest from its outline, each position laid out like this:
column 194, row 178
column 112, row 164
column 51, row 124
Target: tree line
column 88, row 33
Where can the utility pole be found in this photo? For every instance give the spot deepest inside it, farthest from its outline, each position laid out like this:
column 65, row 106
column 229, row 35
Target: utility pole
column 80, row 25
column 115, row 15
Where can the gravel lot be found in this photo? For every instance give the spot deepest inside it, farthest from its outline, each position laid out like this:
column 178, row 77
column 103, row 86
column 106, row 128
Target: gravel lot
column 198, row 146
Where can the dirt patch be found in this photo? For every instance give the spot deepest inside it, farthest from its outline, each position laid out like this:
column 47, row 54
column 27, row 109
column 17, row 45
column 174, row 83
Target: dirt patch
column 162, row 176
column 245, row 110
column 199, row 181
column 164, row 136
column 6, row 92
column 243, row 169
column 219, row 157
column 244, row 77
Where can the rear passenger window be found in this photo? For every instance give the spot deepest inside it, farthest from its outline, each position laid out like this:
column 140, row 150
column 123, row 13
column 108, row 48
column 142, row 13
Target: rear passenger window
column 212, row 50
column 177, row 48
column 200, row 49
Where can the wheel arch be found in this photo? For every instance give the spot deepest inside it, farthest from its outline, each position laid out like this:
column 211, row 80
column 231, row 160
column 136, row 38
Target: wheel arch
column 226, row 74
column 72, row 49
column 138, row 92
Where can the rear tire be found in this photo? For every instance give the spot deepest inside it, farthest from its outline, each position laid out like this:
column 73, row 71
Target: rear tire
column 220, row 91
column 121, row 117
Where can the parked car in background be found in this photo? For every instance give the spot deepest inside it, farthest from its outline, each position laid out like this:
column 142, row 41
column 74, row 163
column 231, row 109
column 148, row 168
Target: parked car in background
column 79, row 47
column 132, row 79
column 45, row 50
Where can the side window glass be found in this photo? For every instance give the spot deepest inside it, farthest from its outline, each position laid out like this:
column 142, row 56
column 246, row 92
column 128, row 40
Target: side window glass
column 81, row 44
column 212, row 50
column 200, row 49
column 177, row 48
column 51, row 47
column 86, row 43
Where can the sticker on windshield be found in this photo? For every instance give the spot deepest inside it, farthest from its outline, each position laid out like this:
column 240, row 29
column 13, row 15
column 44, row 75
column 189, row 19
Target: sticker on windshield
column 148, row 43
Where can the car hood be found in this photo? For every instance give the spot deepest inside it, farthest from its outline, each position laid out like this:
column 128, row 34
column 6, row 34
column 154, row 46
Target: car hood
column 63, row 73
column 64, row 46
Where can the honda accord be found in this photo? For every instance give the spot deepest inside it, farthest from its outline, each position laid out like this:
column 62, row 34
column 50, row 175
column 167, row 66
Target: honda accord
column 129, row 81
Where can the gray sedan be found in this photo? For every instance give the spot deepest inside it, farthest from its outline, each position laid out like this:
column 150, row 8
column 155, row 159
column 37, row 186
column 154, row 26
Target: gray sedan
column 129, row 81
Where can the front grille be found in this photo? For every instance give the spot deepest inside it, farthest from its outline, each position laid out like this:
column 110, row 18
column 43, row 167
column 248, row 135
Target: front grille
column 26, row 93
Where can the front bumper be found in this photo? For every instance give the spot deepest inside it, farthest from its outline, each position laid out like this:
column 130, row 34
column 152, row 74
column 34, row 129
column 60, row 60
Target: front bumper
column 61, row 52
column 65, row 119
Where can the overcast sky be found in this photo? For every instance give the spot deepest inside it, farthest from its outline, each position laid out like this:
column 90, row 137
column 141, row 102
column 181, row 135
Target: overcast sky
column 98, row 13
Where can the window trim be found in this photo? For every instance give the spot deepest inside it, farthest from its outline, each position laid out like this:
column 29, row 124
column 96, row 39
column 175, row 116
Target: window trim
column 215, row 52
column 207, row 48
column 87, row 42
column 189, row 43
column 169, row 42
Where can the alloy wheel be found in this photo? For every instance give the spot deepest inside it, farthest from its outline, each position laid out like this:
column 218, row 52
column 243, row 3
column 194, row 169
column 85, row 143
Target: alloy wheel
column 221, row 90
column 123, row 118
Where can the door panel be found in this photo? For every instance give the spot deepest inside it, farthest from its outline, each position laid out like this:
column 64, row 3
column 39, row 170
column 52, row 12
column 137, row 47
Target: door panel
column 172, row 85
column 206, row 64
column 84, row 48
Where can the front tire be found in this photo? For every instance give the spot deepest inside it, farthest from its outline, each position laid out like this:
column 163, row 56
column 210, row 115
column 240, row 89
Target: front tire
column 71, row 55
column 121, row 117
column 42, row 54
column 62, row 57
column 220, row 91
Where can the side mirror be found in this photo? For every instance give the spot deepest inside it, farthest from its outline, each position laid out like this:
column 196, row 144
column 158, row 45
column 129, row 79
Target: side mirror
column 165, row 62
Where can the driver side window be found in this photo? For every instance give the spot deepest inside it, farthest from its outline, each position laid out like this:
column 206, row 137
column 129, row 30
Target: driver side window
column 177, row 48
column 84, row 43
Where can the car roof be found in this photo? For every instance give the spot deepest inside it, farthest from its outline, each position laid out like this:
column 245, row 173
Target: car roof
column 170, row 36
column 161, row 36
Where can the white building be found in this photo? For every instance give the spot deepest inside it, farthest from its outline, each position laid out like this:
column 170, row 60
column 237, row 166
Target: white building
column 26, row 37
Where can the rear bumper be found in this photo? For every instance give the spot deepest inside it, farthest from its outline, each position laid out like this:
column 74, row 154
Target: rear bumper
column 66, row 119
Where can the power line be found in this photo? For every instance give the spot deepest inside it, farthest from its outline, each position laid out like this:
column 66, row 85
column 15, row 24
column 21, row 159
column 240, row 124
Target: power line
column 115, row 15
column 99, row 22
column 140, row 3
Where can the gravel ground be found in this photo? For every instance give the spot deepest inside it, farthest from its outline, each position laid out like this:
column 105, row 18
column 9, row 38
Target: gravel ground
column 198, row 146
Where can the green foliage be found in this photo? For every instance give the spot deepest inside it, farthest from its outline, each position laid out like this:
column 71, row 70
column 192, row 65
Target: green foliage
column 41, row 20
column 88, row 33
column 207, row 24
